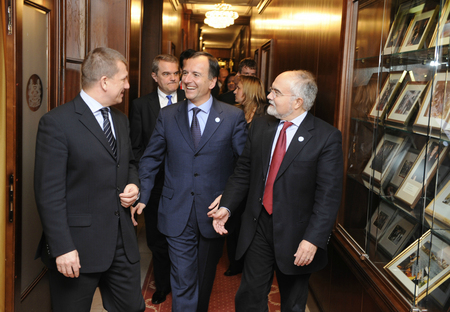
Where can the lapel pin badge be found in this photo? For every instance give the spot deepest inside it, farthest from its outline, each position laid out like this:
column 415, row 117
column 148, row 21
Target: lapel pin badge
column 217, row 119
column 301, row 139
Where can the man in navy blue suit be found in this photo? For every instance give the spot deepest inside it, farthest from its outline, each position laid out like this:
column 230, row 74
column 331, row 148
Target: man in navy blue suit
column 199, row 141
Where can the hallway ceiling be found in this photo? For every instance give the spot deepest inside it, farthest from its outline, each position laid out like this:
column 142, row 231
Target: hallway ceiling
column 219, row 38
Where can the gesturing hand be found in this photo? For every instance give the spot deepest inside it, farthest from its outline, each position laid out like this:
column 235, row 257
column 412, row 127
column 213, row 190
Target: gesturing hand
column 220, row 216
column 137, row 209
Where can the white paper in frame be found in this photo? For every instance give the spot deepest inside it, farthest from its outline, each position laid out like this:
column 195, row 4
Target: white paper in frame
column 390, row 87
column 380, row 162
column 442, row 28
column 407, row 100
column 400, row 26
column 418, row 30
column 421, row 267
column 404, row 167
column 435, row 108
column 412, row 186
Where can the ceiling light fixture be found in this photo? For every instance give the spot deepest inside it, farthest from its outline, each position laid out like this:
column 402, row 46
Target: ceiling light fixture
column 221, row 16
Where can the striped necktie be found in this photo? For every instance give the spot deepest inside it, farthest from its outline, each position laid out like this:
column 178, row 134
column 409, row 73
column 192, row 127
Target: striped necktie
column 108, row 132
column 195, row 127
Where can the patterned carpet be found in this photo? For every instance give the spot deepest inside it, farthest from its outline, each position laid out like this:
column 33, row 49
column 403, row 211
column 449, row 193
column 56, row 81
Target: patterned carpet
column 222, row 297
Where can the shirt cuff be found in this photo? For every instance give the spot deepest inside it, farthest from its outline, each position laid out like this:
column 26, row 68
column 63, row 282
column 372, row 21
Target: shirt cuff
column 229, row 212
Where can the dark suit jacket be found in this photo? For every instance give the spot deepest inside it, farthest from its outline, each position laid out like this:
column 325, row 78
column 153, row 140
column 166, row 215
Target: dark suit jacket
column 143, row 114
column 191, row 175
column 77, row 184
column 228, row 97
column 306, row 194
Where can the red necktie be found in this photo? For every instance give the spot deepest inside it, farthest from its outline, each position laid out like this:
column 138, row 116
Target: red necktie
column 277, row 158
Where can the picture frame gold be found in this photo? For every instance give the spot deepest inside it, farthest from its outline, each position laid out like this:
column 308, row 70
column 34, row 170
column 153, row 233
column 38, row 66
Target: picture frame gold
column 406, row 102
column 422, row 266
column 418, row 30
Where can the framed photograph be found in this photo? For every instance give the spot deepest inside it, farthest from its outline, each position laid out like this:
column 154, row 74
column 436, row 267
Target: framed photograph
column 421, row 267
column 423, row 170
column 439, row 207
column 390, row 87
column 418, row 31
column 380, row 220
column 405, row 165
column 404, row 106
column 397, row 234
column 435, row 108
column 381, row 160
column 441, row 35
column 398, row 29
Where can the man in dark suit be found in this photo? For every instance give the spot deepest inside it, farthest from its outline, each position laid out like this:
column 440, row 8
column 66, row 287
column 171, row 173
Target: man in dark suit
column 143, row 114
column 85, row 181
column 199, row 141
column 246, row 67
column 291, row 169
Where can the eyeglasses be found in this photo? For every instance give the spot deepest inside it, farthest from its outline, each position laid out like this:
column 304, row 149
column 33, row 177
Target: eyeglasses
column 277, row 93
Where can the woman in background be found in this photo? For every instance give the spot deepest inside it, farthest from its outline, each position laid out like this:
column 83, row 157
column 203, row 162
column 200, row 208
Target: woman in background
column 251, row 98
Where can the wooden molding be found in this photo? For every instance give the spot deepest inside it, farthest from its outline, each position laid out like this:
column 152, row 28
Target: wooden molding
column 262, row 5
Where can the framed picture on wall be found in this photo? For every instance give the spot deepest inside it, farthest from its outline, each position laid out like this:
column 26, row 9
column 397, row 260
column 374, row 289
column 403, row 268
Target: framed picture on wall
column 441, row 35
column 431, row 155
column 397, row 234
column 267, row 63
column 405, row 165
column 421, row 267
column 439, row 207
column 390, row 87
column 399, row 27
column 381, row 160
column 418, row 31
column 380, row 220
column 435, row 108
column 406, row 102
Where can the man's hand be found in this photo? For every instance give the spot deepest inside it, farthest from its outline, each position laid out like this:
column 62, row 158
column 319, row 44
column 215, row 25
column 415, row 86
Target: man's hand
column 68, row 264
column 137, row 209
column 129, row 195
column 220, row 216
column 305, row 253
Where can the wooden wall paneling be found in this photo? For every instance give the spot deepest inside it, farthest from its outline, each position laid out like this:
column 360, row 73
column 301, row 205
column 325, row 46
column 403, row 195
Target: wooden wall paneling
column 134, row 64
column 219, row 53
column 75, row 29
column 171, row 27
column 72, row 80
column 151, row 43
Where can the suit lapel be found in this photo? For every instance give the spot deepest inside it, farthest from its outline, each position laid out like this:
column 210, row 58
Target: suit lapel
column 118, row 130
column 183, row 123
column 268, row 137
column 87, row 118
column 213, row 122
column 299, row 141
column 154, row 104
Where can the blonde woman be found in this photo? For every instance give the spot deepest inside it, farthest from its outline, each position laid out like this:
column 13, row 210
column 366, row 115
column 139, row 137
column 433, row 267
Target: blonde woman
column 251, row 97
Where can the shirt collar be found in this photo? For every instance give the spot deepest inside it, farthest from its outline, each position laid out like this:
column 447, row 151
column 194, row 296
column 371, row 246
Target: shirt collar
column 205, row 107
column 299, row 119
column 164, row 96
column 93, row 105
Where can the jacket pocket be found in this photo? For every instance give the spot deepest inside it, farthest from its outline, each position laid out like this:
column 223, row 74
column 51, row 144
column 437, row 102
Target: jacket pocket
column 167, row 192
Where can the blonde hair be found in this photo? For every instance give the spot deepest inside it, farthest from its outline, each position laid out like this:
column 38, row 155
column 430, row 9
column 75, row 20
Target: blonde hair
column 255, row 97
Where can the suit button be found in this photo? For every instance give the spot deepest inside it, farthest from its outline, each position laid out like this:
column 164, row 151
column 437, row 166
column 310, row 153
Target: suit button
column 195, row 174
column 254, row 219
column 118, row 166
column 117, row 213
column 192, row 193
column 118, row 189
column 259, row 199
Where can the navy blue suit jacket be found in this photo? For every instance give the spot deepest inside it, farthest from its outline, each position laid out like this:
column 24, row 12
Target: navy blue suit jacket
column 192, row 176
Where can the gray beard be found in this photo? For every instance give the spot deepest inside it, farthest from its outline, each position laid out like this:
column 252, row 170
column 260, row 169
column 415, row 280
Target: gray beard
column 271, row 110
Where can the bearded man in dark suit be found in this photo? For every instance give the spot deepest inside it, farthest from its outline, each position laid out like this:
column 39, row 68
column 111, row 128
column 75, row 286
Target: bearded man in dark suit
column 292, row 170
column 143, row 114
column 85, row 181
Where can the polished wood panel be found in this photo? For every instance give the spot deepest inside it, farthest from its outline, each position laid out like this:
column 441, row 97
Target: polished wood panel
column 75, row 20
column 108, row 25
column 307, row 35
column 72, row 83
column 219, row 53
column 171, row 28
column 134, row 63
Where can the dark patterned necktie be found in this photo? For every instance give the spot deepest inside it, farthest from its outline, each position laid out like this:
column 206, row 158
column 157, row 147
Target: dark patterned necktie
column 195, row 127
column 277, row 158
column 170, row 100
column 108, row 132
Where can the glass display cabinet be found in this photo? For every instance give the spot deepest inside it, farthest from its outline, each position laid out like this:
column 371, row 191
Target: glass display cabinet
column 397, row 198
